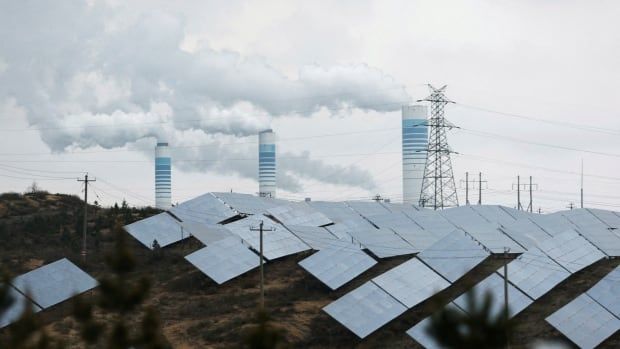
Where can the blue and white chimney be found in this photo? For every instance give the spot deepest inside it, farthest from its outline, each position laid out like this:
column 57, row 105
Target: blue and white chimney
column 415, row 143
column 267, row 164
column 163, row 176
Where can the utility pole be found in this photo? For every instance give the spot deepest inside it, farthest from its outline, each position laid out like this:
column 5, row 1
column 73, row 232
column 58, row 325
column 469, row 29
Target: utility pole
column 262, row 275
column 531, row 186
column 519, row 207
column 466, row 188
column 506, row 249
column 581, row 190
column 377, row 198
column 571, row 205
column 85, row 180
column 480, row 181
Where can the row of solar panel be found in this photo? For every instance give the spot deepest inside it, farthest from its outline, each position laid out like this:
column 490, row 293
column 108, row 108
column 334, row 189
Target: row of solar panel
column 45, row 287
column 338, row 230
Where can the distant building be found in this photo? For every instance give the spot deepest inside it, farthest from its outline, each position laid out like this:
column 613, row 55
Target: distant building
column 163, row 176
column 415, row 143
column 267, row 163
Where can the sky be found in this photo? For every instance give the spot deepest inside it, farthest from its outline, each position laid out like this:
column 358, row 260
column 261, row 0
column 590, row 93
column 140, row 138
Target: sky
column 91, row 86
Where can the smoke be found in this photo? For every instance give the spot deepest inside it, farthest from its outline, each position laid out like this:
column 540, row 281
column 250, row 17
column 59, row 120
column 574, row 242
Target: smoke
column 81, row 69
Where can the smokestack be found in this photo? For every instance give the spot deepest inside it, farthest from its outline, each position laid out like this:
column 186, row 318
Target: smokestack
column 163, row 174
column 415, row 143
column 267, row 164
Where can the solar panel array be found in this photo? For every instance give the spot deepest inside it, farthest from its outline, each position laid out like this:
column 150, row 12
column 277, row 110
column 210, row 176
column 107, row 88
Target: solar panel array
column 224, row 259
column 411, row 282
column 535, row 273
column 337, row 266
column 571, row 250
column 299, row 214
column 162, row 228
column 365, row 309
column 15, row 310
column 45, row 287
column 607, row 292
column 54, row 283
column 585, row 322
column 203, row 209
column 449, row 244
column 454, row 255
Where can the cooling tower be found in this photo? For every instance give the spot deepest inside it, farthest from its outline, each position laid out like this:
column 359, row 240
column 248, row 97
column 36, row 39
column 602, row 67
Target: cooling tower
column 267, row 164
column 415, row 142
column 163, row 176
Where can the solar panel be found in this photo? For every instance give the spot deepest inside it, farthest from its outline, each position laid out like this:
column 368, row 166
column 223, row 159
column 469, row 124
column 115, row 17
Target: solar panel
column 205, row 209
column 584, row 322
column 417, row 237
column 606, row 292
column 583, row 219
column 608, row 217
column 337, row 266
column 493, row 213
column 525, row 232
column 224, row 260
column 161, row 227
column 552, row 223
column 391, row 219
column 54, row 283
column 571, row 251
column 383, row 242
column 368, row 209
column 319, row 238
column 419, row 331
column 339, row 212
column 396, row 207
column 13, row 312
column 454, row 255
column 276, row 244
column 463, row 217
column 299, row 213
column 206, row 233
column 249, row 204
column 432, row 221
column 341, row 231
column 603, row 238
column 494, row 284
column 365, row 309
column 493, row 239
column 534, row 273
column 411, row 282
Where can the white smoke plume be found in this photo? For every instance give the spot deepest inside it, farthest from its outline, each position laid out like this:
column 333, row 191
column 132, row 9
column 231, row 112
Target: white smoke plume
column 81, row 69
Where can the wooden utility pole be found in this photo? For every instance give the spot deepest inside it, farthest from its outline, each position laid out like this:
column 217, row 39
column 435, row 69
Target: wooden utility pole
column 85, row 180
column 262, row 275
column 466, row 188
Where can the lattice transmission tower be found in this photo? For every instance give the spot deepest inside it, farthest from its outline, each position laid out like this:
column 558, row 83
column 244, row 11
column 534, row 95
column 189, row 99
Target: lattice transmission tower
column 438, row 187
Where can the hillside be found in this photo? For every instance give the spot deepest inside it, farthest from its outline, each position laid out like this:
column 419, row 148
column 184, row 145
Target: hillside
column 39, row 228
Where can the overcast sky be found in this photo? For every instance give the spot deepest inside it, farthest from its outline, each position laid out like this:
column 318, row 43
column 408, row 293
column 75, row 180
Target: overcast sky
column 92, row 85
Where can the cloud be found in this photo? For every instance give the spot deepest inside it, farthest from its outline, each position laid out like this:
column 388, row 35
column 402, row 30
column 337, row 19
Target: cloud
column 83, row 69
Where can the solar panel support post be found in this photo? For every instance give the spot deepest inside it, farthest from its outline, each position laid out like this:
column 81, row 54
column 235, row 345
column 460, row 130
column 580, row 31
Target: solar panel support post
column 85, row 180
column 506, row 313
